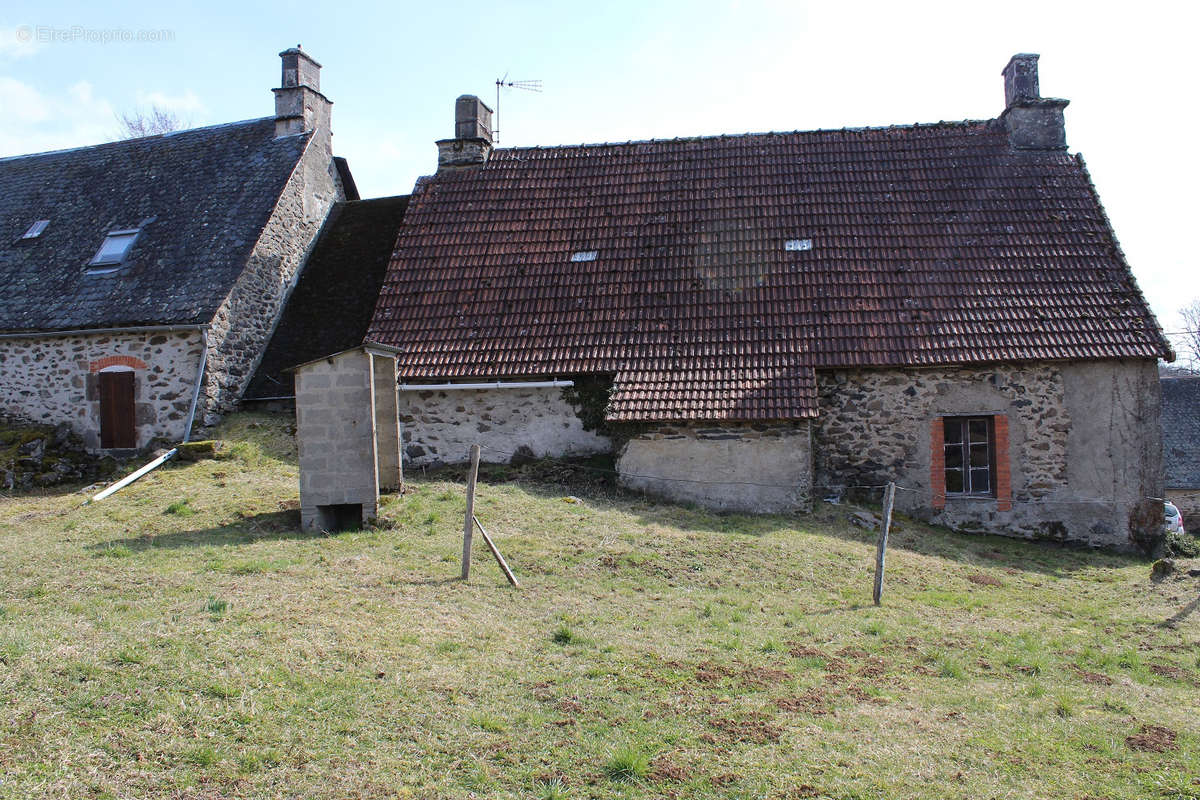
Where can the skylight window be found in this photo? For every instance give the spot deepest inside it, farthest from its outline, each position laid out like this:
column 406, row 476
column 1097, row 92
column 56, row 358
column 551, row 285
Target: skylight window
column 584, row 255
column 798, row 244
column 35, row 230
column 114, row 248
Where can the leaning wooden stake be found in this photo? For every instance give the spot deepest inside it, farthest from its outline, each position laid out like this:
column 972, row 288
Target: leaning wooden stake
column 469, row 523
column 499, row 558
column 889, row 497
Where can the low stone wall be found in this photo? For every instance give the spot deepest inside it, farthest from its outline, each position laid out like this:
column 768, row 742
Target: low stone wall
column 758, row 468
column 1188, row 503
column 52, row 379
column 439, row 427
column 1083, row 443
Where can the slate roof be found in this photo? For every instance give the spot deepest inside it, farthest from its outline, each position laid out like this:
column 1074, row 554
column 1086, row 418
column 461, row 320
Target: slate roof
column 208, row 190
column 1180, row 419
column 330, row 308
column 930, row 245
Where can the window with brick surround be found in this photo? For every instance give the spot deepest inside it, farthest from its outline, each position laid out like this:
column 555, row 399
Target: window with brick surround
column 1000, row 472
column 969, row 444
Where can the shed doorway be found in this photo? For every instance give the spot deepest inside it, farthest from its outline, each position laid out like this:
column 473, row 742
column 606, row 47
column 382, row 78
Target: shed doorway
column 117, row 430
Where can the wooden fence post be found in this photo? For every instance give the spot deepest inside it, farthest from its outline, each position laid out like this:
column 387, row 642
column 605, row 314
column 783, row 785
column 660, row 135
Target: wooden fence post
column 889, row 498
column 469, row 524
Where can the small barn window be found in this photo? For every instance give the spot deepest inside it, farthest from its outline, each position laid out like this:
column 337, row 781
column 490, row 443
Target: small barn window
column 114, row 249
column 970, row 450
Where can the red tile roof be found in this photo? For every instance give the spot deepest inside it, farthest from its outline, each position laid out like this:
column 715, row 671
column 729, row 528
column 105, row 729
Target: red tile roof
column 930, row 245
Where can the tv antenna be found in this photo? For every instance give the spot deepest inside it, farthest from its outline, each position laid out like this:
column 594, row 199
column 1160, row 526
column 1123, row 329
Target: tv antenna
column 505, row 83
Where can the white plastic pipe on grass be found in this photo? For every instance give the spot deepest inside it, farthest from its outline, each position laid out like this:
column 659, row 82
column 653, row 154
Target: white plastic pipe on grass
column 133, row 476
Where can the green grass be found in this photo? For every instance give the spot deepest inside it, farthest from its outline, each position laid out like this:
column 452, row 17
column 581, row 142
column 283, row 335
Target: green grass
column 180, row 508
column 652, row 650
column 627, row 763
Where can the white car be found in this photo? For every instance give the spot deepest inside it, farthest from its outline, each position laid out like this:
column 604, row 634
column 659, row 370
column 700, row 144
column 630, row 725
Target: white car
column 1174, row 518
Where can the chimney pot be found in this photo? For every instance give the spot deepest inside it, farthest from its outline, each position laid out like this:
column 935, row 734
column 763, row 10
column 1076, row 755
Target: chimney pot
column 299, row 105
column 1033, row 122
column 472, row 142
column 472, row 118
column 1021, row 79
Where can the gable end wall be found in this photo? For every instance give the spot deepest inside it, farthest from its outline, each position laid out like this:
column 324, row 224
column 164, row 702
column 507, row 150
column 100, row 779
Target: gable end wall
column 1083, row 443
column 244, row 323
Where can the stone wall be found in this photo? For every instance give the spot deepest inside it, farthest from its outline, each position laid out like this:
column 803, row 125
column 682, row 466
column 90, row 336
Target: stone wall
column 1081, row 451
column 243, row 324
column 335, row 435
column 52, row 379
column 759, row 468
column 439, row 427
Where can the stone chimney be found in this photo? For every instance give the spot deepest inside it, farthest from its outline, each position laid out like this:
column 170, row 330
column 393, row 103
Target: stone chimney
column 1033, row 122
column 472, row 142
column 299, row 105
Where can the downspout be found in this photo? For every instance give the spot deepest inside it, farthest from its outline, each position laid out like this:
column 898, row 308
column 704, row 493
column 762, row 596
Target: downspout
column 199, row 382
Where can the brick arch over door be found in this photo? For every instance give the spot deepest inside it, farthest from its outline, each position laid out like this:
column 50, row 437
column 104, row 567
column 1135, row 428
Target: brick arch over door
column 107, row 362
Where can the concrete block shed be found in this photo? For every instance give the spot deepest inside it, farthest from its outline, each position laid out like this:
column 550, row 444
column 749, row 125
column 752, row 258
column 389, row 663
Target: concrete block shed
column 348, row 431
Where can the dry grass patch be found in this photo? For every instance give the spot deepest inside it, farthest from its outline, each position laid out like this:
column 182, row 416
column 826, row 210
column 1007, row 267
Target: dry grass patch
column 653, row 650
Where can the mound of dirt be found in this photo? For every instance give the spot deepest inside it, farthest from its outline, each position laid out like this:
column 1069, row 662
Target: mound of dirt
column 812, row 702
column 752, row 728
column 1153, row 739
column 664, row 770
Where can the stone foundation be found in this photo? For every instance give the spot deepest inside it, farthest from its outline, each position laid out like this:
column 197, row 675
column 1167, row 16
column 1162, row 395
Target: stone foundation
column 1083, row 443
column 756, row 468
column 52, row 379
column 439, row 427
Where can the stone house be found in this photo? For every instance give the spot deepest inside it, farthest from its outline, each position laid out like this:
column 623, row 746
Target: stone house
column 144, row 277
column 1181, row 446
column 757, row 321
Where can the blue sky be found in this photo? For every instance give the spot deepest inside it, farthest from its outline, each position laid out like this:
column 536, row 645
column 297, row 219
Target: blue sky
column 614, row 71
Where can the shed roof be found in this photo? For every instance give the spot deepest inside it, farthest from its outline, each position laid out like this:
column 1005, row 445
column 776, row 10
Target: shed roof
column 201, row 198
column 713, row 275
column 330, row 308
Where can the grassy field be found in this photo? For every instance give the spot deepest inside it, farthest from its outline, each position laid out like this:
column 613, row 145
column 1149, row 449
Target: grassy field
column 184, row 640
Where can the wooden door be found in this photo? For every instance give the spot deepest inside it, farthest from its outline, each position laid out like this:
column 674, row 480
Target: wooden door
column 116, row 410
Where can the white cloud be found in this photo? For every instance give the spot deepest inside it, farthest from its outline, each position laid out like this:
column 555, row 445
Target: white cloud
column 22, row 102
column 37, row 121
column 186, row 103
column 18, row 42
